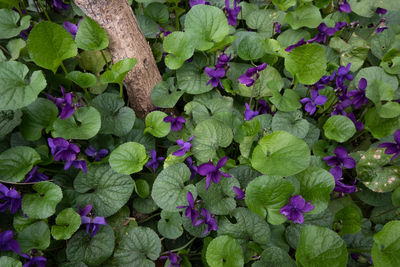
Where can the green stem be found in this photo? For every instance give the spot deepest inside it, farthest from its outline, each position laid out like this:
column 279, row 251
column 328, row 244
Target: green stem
column 105, row 60
column 63, row 68
column 44, row 10
column 177, row 21
column 183, row 247
column 6, row 182
column 252, row 94
column 149, row 218
column 387, row 211
column 87, row 94
column 358, row 250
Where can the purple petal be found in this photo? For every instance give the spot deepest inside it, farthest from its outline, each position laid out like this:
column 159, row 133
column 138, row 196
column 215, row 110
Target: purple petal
column 206, row 168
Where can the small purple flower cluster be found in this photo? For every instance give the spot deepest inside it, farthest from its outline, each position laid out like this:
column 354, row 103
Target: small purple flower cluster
column 173, row 259
column 176, row 122
column 263, row 108
column 65, row 106
column 232, row 13
column 91, row 222
column 393, row 148
column 66, row 152
column 212, row 172
column 217, row 73
column 338, row 162
column 251, row 75
column 33, row 176
column 295, row 209
column 9, row 198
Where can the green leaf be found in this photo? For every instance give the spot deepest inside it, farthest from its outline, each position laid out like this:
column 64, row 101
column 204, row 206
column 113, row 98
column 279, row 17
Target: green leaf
column 139, row 247
column 379, row 91
column 289, row 101
column 192, row 78
column 93, row 60
column 274, row 256
column 103, row 188
column 304, row 16
column 38, row 116
column 169, row 190
column 382, row 42
column 42, row 204
column 9, row 119
column 49, row 44
column 20, row 222
column 115, row 117
column 209, row 135
column 91, row 250
column 142, row 188
column 386, row 250
column 315, row 185
column 269, row 81
column 67, row 223
column 206, row 25
column 15, row 46
column 6, row 261
column 350, row 219
column 35, row 236
column 307, row 62
column 250, row 48
column 170, row 224
column 248, row 227
column 82, row 79
column 218, row 198
column 118, row 71
column 155, row 124
column 90, row 36
column 291, row 36
column 355, row 51
column 224, row 251
column 396, row 197
column 180, row 47
column 284, row 4
column 280, row 153
column 291, row 122
column 245, row 174
column 319, row 244
column 365, row 8
column 380, row 127
column 391, row 62
column 8, row 23
column 84, row 124
column 16, row 162
column 267, row 195
column 376, row 73
column 165, row 94
column 157, row 12
column 262, row 21
column 15, row 91
column 339, row 128
column 148, row 26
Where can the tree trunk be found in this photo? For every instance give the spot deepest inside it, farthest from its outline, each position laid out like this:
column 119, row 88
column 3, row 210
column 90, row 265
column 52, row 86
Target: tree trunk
column 126, row 40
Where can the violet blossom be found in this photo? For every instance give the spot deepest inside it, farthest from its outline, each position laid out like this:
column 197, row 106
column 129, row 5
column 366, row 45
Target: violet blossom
column 9, row 198
column 249, row 113
column 340, row 160
column 239, row 193
column 92, row 223
column 251, row 75
column 154, row 162
column 34, row 176
column 344, row 6
column 58, row 4
column 166, row 33
column 176, row 122
column 232, row 13
column 71, row 28
column 358, row 124
column 359, row 98
column 217, row 73
column 8, row 243
column 295, row 209
column 192, row 167
column 277, row 27
column 312, row 103
column 173, row 259
column 193, row 3
column 185, row 147
column 65, row 107
column 67, row 152
column 209, row 220
column 212, row 172
column 380, row 11
column 325, row 31
column 190, row 211
column 381, row 26
column 34, row 261
column 96, row 154
column 291, row 47
column 393, row 148
column 78, row 164
column 342, row 75
column 339, row 185
column 263, row 107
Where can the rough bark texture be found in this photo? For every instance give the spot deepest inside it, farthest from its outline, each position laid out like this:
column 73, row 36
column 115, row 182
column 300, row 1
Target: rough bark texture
column 126, row 40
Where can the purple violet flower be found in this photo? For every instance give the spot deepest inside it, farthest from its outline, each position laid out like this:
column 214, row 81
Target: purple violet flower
column 323, row 34
column 209, row 220
column 277, row 27
column 313, row 102
column 154, row 162
column 97, row 155
column 166, row 33
column 381, row 26
column 212, row 172
column 359, row 98
column 291, row 47
column 176, row 122
column 393, row 148
column 251, row 75
column 232, row 13
column 65, row 107
column 223, row 60
column 34, row 261
column 193, row 3
column 92, row 223
column 71, row 28
column 58, row 4
column 239, row 193
column 216, row 75
column 249, row 114
column 8, row 243
column 78, row 164
column 358, row 124
column 295, row 209
column 24, row 34
column 62, row 149
column 9, row 198
column 192, row 167
column 342, row 75
column 34, row 176
column 342, row 159
column 263, row 107
column 185, row 147
column 339, row 185
column 380, row 11
column 173, row 259
column 344, row 6
column 190, row 211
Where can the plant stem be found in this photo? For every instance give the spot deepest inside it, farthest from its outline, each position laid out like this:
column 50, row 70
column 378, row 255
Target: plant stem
column 149, row 218
column 63, row 68
column 105, row 59
column 184, row 246
column 14, row 183
column 359, row 250
column 252, row 94
column 44, row 10
column 386, row 211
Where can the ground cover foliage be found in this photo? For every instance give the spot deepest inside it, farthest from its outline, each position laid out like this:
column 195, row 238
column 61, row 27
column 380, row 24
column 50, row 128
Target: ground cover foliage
column 274, row 141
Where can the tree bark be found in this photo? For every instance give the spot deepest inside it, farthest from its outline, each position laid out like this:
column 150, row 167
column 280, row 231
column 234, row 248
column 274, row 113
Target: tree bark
column 126, row 40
